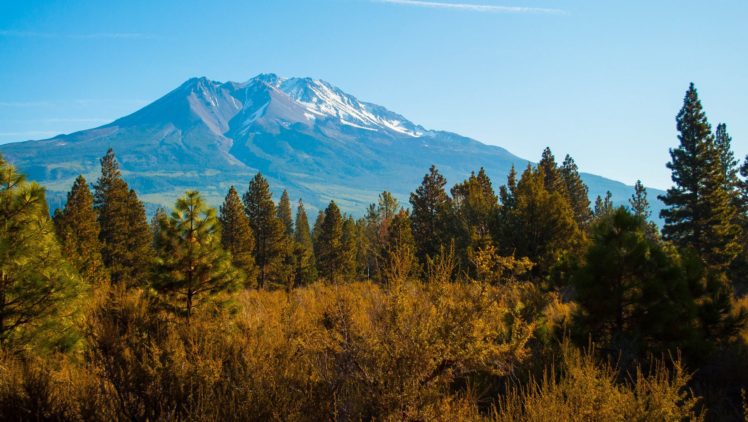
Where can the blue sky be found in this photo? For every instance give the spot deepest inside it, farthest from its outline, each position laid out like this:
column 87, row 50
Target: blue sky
column 600, row 80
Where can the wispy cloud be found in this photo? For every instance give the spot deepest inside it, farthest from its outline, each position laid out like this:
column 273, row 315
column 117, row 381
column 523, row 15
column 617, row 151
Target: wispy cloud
column 484, row 8
column 79, row 36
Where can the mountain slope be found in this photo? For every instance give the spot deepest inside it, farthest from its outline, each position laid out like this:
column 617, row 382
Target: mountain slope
column 306, row 135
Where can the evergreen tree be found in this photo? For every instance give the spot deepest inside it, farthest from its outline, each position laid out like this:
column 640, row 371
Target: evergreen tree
column 36, row 283
column 700, row 213
column 553, row 179
column 632, row 293
column 330, row 248
column 306, row 270
column 156, row 223
column 401, row 262
column 430, row 208
column 378, row 218
column 603, row 206
column 317, row 230
column 576, row 192
column 350, row 243
column 192, row 263
column 270, row 239
column 125, row 235
column 237, row 237
column 541, row 226
column 475, row 210
column 78, row 231
column 507, row 192
column 723, row 143
column 639, row 203
column 284, row 213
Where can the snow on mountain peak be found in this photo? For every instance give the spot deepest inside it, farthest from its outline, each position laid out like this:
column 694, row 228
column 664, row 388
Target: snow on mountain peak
column 321, row 100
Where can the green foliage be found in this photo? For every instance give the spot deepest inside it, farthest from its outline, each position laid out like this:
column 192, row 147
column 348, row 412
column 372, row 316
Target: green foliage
column 271, row 247
column 603, row 206
column 632, row 293
column 192, row 263
column 541, row 224
column 377, row 222
column 399, row 253
column 237, row 237
column 125, row 235
column 639, row 203
column 330, row 249
column 577, row 193
column 553, row 179
column 305, row 268
column 430, row 207
column 699, row 211
column 37, row 285
column 475, row 212
column 78, row 231
column 284, row 213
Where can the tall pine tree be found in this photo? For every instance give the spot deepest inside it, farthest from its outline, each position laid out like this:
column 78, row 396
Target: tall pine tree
column 270, row 238
column 78, row 231
column 330, row 248
column 284, row 213
column 306, row 269
column 430, row 209
column 699, row 213
column 576, row 192
column 127, row 245
column 237, row 237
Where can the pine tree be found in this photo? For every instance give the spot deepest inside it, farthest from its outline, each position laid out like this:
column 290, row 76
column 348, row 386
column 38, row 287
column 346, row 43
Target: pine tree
column 639, row 203
column 156, row 223
column 576, row 192
column 284, row 213
column 237, row 237
column 270, row 239
column 193, row 264
column 699, row 211
column 350, row 243
column 317, row 230
column 330, row 248
column 36, row 283
column 632, row 293
column 475, row 210
column 430, row 208
column 507, row 192
column 723, row 143
column 603, row 206
column 125, row 235
column 399, row 253
column 78, row 231
column 378, row 219
column 553, row 179
column 541, row 226
column 306, row 270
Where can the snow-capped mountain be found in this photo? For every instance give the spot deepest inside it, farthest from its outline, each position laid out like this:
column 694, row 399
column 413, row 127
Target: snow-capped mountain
column 305, row 134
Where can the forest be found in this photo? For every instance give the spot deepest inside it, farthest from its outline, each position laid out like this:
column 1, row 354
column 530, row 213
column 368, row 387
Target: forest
column 525, row 302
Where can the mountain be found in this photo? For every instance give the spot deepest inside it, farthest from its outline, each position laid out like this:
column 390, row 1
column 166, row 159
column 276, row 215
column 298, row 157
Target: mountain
column 304, row 134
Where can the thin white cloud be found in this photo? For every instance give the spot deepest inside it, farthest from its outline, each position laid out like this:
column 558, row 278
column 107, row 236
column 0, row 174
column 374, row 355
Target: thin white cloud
column 89, row 36
column 484, row 8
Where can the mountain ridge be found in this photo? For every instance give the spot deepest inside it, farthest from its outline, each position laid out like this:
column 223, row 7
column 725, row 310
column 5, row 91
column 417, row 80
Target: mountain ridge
column 306, row 135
